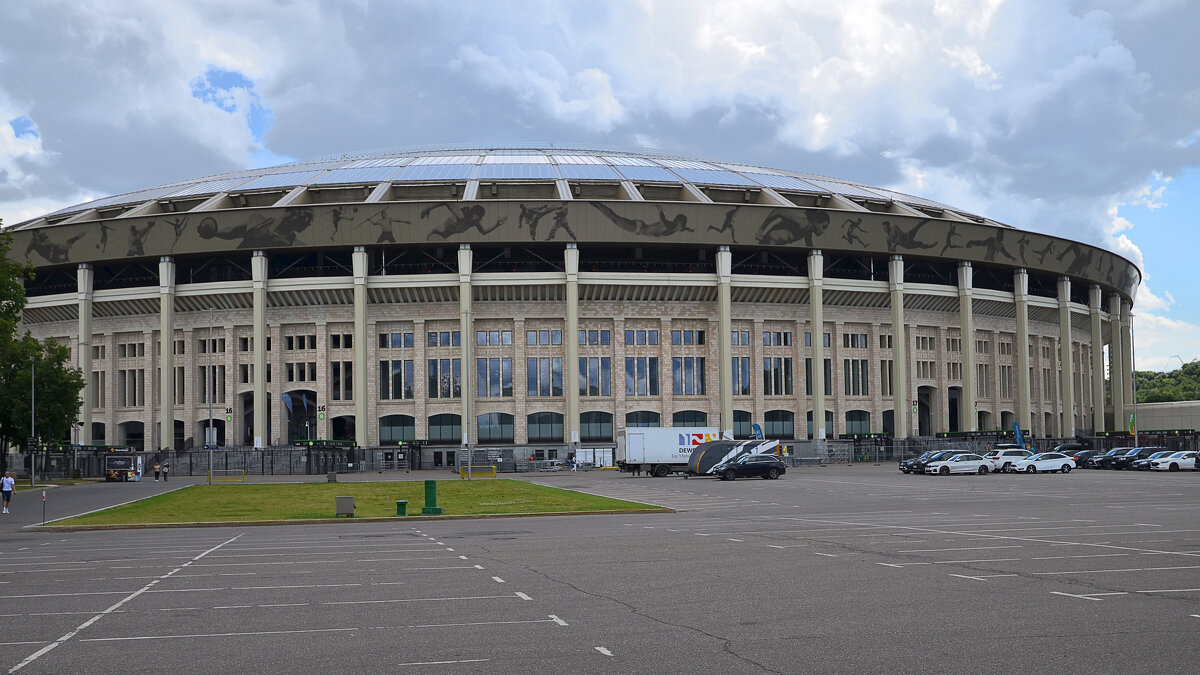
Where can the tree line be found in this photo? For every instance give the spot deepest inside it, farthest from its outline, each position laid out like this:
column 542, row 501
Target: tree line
column 1182, row 384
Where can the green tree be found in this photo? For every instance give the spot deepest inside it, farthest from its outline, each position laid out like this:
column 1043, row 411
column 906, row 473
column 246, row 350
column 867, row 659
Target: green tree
column 58, row 384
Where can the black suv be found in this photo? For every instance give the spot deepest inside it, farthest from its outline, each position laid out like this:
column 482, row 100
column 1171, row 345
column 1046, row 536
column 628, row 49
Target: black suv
column 918, row 466
column 1126, row 460
column 763, row 466
column 1104, row 461
column 1081, row 457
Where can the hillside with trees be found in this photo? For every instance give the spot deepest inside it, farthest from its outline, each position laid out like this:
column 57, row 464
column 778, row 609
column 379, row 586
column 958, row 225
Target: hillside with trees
column 1177, row 385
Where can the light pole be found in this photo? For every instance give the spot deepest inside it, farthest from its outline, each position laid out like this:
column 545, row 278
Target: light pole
column 210, row 439
column 32, row 421
column 1133, row 369
column 468, row 396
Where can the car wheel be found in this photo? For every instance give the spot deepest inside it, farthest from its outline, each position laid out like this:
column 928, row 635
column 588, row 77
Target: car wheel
column 983, row 471
column 772, row 474
column 729, row 475
column 1066, row 468
column 1173, row 467
column 1007, row 466
column 1031, row 469
column 661, row 471
column 945, row 471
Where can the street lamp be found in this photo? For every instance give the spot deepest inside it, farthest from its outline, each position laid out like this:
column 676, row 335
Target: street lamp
column 32, row 421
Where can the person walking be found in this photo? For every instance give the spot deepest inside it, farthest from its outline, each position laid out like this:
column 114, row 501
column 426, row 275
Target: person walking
column 157, row 468
column 166, row 468
column 7, row 485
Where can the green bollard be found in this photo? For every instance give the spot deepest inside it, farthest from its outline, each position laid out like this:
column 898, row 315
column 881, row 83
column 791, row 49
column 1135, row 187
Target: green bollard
column 401, row 507
column 431, row 508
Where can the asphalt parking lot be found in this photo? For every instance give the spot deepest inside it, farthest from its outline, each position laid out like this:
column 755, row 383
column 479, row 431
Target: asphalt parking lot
column 837, row 569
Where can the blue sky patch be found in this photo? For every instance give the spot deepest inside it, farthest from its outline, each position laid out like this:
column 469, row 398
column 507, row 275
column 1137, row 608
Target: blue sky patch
column 233, row 92
column 23, row 126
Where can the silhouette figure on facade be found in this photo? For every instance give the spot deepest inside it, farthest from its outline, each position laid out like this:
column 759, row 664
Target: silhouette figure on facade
column 1022, row 244
column 951, row 235
column 781, row 226
column 531, row 217
column 336, row 219
column 661, row 228
column 460, row 219
column 259, row 231
column 1044, row 252
column 52, row 252
column 852, row 226
column 993, row 245
column 560, row 223
column 137, row 239
column 1081, row 261
column 728, row 224
column 178, row 225
column 386, row 225
column 898, row 238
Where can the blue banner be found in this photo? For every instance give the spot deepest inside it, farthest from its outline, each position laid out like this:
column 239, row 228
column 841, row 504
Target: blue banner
column 758, row 434
column 1020, row 438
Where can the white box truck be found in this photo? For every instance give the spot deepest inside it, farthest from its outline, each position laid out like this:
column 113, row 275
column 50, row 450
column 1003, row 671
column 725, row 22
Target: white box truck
column 661, row 450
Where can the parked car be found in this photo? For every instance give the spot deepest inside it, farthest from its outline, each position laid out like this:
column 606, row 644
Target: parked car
column 1082, row 456
column 1123, row 461
column 1102, row 461
column 960, row 463
column 906, row 466
column 1144, row 464
column 919, row 466
column 1003, row 458
column 1184, row 459
column 1069, row 449
column 1045, row 461
column 763, row 466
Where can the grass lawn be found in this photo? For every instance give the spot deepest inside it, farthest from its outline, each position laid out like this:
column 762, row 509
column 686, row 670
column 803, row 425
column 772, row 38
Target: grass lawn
column 299, row 501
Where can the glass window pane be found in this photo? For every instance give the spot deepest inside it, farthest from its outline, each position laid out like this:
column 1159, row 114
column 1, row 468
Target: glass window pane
column 652, row 367
column 556, row 387
column 556, row 337
column 506, row 385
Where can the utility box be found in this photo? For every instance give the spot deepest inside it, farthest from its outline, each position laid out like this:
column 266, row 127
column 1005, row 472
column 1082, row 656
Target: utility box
column 331, row 477
column 345, row 506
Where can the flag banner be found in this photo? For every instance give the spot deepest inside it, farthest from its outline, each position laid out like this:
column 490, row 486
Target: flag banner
column 1131, row 427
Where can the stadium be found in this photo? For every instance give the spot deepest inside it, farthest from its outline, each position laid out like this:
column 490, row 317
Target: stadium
column 547, row 298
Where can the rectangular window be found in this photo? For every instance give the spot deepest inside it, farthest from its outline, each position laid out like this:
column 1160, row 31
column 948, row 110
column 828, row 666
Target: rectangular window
column 687, row 337
column 641, row 337
column 595, row 376
column 687, row 375
column 444, row 378
column 741, row 376
column 641, row 376
column 856, row 374
column 777, row 376
column 543, row 376
column 828, row 377
column 885, row 378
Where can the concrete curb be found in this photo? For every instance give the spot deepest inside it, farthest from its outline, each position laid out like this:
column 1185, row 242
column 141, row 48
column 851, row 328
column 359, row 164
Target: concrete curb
column 387, row 519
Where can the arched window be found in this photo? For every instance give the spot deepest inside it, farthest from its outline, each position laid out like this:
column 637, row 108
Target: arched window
column 743, row 427
column 642, row 418
column 545, row 427
column 396, row 428
column 445, row 428
column 779, row 424
column 495, row 428
column 596, row 427
column 858, row 422
column 689, row 418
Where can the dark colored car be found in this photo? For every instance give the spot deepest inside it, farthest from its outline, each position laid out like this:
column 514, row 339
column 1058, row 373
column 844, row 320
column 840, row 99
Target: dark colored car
column 1068, row 449
column 918, row 466
column 1144, row 464
column 906, row 465
column 1124, row 461
column 1082, row 456
column 746, row 466
column 1103, row 461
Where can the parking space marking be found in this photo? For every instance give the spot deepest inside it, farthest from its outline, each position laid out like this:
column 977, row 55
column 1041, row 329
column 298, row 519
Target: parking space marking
column 604, row 651
column 1127, row 569
column 497, row 580
column 67, row 636
column 1172, row 590
column 200, row 635
column 963, row 548
column 1086, row 596
column 441, row 663
column 402, row 600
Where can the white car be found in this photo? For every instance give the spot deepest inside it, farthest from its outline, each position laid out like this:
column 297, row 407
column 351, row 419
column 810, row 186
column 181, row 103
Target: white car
column 963, row 463
column 1185, row 459
column 1044, row 461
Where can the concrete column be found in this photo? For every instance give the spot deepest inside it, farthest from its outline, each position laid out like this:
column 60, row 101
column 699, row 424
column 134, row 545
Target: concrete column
column 1021, row 360
column 258, row 271
column 1066, row 358
column 166, row 359
column 816, row 301
column 362, row 425
column 571, row 340
column 1116, row 363
column 1095, row 300
column 902, row 397
column 725, row 328
column 968, row 420
column 1127, row 358
column 465, row 323
column 83, row 278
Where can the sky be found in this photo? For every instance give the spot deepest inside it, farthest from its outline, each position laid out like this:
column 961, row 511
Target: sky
column 1075, row 118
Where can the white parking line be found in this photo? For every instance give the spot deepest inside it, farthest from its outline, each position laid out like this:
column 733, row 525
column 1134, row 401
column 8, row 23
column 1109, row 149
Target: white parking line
column 441, row 663
column 1086, row 596
column 964, row 548
column 604, row 651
